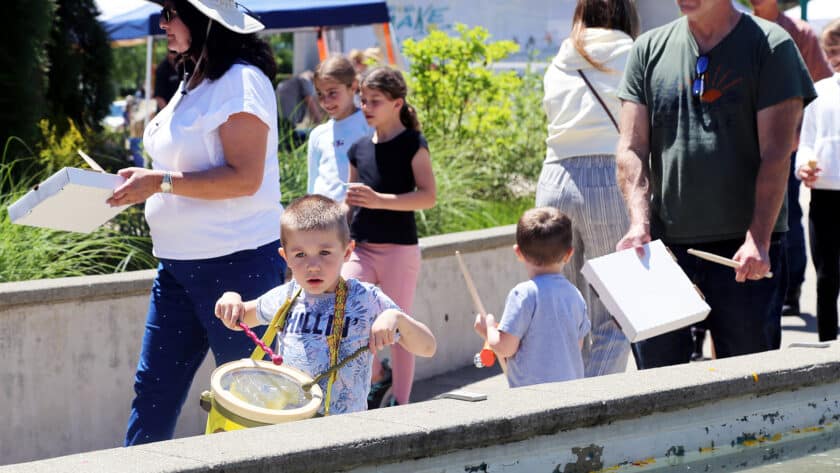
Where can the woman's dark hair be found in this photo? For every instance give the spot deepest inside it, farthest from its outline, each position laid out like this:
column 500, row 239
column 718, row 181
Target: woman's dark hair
column 610, row 14
column 224, row 47
column 391, row 83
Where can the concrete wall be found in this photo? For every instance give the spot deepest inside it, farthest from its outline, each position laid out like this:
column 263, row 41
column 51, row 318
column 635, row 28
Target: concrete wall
column 69, row 346
column 756, row 405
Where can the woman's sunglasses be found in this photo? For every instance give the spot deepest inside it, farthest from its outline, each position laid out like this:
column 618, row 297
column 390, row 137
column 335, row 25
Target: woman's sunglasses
column 700, row 69
column 168, row 14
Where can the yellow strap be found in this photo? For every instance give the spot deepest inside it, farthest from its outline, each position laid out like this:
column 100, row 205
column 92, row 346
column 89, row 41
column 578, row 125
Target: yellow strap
column 334, row 339
column 276, row 324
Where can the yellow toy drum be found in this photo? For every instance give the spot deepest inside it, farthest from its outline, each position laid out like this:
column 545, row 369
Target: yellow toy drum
column 253, row 393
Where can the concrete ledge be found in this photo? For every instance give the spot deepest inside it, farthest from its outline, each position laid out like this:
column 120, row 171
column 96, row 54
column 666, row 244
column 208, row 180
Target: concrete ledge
column 468, row 242
column 47, row 291
column 437, row 427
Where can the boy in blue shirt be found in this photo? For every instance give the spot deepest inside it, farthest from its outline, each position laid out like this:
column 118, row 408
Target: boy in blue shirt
column 316, row 242
column 544, row 323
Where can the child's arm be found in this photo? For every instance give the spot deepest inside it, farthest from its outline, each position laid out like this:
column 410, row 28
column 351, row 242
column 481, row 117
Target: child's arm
column 231, row 310
column 313, row 163
column 415, row 337
column 504, row 344
column 423, row 197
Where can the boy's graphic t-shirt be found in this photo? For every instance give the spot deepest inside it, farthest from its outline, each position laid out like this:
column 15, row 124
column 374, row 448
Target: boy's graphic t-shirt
column 303, row 341
column 548, row 315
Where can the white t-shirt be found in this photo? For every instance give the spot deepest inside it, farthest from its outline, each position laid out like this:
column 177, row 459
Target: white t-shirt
column 184, row 137
column 820, row 138
column 329, row 167
column 303, row 342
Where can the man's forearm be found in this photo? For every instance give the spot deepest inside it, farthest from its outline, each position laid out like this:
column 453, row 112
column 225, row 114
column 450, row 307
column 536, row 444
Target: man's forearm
column 777, row 130
column 770, row 188
column 634, row 181
column 632, row 168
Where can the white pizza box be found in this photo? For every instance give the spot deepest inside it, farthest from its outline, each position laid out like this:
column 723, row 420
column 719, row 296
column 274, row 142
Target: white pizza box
column 647, row 296
column 72, row 199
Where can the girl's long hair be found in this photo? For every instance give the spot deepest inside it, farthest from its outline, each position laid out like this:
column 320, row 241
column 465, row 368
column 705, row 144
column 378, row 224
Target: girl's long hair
column 391, row 83
column 610, row 14
column 224, row 47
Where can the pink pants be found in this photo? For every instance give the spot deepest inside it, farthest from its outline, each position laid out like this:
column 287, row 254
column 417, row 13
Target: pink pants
column 394, row 268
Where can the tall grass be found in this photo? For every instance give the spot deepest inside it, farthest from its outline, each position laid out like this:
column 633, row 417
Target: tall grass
column 37, row 253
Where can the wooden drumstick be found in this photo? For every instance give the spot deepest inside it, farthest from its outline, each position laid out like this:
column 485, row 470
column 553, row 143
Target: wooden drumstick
column 720, row 260
column 480, row 308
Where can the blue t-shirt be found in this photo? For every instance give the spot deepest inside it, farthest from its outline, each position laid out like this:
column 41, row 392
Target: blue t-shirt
column 329, row 167
column 548, row 314
column 303, row 342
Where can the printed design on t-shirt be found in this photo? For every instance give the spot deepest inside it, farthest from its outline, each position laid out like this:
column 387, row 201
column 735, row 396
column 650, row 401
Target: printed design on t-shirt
column 303, row 343
column 338, row 143
column 716, row 84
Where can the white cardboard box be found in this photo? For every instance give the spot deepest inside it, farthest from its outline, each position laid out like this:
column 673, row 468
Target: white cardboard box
column 647, row 296
column 72, row 199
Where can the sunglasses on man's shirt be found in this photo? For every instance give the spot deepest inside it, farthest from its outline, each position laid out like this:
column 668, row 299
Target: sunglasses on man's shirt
column 700, row 68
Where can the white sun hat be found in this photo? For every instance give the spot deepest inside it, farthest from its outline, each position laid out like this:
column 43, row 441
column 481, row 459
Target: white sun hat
column 226, row 13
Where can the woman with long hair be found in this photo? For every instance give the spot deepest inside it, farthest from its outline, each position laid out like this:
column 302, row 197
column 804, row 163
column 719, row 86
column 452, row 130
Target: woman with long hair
column 212, row 203
column 578, row 174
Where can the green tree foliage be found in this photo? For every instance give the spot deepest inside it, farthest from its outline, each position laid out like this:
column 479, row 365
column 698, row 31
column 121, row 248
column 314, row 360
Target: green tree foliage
column 485, row 128
column 79, row 54
column 26, row 26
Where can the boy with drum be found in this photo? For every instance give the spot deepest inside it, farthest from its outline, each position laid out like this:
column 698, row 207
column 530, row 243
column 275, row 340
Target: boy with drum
column 315, row 243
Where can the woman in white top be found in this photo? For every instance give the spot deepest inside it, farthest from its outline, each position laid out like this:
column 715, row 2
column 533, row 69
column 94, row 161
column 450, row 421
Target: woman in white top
column 578, row 174
column 212, row 203
column 818, row 165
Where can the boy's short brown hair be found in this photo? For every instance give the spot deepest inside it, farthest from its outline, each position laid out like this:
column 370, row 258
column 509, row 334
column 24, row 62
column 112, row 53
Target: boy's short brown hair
column 314, row 213
column 544, row 235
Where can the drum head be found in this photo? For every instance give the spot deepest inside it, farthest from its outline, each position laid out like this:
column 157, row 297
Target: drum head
column 264, row 392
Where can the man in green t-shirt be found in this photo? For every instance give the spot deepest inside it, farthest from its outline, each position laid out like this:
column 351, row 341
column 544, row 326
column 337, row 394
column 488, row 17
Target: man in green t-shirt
column 710, row 108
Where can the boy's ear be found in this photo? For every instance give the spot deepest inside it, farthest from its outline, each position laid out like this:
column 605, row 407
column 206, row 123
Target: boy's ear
column 282, row 254
column 568, row 256
column 518, row 253
column 349, row 250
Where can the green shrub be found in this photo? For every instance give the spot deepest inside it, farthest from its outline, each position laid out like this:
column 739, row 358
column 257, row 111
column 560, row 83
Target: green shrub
column 79, row 84
column 485, row 128
column 26, row 27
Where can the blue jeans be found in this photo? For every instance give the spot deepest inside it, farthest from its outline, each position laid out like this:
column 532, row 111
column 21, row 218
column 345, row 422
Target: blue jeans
column 797, row 259
column 745, row 317
column 181, row 326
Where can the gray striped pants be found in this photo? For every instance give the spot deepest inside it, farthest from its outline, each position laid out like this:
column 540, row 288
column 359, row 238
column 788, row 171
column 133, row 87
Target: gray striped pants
column 585, row 189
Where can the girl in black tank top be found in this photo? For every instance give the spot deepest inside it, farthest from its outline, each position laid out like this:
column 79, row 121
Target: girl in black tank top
column 390, row 177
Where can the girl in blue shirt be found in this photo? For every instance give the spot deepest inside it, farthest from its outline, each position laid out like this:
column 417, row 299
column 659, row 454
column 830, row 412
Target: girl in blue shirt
column 329, row 169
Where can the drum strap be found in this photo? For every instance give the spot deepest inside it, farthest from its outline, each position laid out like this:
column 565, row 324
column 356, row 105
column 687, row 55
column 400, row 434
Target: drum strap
column 276, row 324
column 333, row 340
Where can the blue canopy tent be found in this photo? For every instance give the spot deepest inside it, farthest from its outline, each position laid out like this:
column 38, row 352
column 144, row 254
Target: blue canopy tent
column 130, row 21
column 142, row 20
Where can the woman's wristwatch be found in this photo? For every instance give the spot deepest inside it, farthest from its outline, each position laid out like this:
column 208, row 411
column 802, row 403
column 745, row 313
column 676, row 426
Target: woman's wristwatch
column 166, row 183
